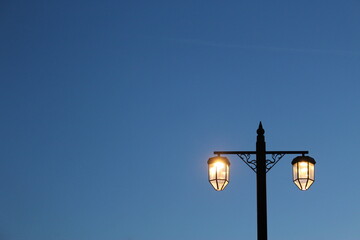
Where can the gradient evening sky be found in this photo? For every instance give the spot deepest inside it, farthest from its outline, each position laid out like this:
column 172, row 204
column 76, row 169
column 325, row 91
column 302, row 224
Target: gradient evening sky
column 110, row 110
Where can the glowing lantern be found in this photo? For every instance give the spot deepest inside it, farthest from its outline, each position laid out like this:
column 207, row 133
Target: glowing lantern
column 303, row 172
column 219, row 172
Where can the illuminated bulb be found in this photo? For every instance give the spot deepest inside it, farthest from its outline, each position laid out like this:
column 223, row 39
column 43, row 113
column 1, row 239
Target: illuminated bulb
column 219, row 165
column 303, row 164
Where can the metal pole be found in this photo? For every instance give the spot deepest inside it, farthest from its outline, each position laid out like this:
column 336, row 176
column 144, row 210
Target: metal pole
column 261, row 184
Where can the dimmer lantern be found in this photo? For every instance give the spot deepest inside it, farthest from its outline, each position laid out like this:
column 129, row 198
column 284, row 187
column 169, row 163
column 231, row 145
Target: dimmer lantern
column 303, row 172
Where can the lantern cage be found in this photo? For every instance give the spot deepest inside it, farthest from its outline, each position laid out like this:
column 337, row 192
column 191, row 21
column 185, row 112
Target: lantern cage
column 303, row 172
column 219, row 172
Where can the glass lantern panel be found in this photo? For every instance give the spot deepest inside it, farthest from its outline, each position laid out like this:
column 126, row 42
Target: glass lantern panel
column 295, row 171
column 303, row 169
column 212, row 171
column 221, row 184
column 214, row 184
column 310, row 182
column 218, row 170
column 311, row 171
column 303, row 183
column 297, row 183
column 221, row 171
column 226, row 183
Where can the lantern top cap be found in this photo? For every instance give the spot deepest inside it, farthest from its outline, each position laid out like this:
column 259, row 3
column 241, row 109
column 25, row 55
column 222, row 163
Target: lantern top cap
column 260, row 130
column 303, row 159
column 218, row 159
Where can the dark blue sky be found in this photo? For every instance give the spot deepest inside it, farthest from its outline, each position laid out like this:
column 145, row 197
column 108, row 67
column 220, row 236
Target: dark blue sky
column 110, row 110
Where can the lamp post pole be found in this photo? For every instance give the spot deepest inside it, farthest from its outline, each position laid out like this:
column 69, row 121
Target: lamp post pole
column 303, row 175
column 261, row 184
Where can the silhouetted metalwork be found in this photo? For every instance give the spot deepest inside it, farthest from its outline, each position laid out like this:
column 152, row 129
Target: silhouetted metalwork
column 303, row 173
column 251, row 163
column 276, row 158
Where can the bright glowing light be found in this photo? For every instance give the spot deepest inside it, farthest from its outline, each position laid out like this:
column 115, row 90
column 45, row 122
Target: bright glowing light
column 219, row 165
column 303, row 169
column 303, row 164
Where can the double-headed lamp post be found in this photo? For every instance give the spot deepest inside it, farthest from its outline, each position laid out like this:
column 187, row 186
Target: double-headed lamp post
column 303, row 173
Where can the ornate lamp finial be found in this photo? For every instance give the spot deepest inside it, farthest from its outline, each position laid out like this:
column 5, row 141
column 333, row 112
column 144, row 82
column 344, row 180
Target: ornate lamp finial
column 260, row 130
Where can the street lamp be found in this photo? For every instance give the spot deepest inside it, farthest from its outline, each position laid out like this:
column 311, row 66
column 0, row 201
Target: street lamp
column 303, row 172
column 219, row 173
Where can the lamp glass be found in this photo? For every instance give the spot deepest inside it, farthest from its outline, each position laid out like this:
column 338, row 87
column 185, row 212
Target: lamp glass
column 303, row 172
column 219, row 172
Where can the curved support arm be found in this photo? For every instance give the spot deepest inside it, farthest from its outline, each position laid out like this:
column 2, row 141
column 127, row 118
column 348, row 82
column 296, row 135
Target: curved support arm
column 276, row 158
column 245, row 157
column 251, row 163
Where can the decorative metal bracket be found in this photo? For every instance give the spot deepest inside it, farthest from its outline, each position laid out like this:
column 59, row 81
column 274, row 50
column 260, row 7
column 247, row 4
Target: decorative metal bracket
column 245, row 156
column 251, row 163
column 276, row 158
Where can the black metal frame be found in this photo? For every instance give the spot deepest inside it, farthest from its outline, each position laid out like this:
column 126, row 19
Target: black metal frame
column 245, row 156
column 261, row 166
